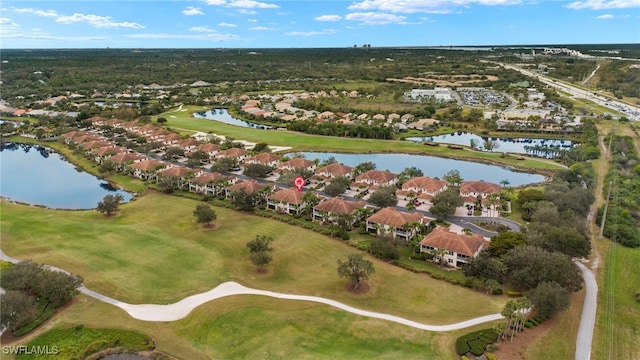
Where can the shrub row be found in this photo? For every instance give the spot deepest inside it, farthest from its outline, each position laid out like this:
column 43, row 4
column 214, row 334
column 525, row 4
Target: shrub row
column 475, row 342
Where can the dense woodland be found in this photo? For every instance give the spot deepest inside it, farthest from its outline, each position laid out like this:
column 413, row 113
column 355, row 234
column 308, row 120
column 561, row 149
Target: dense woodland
column 44, row 73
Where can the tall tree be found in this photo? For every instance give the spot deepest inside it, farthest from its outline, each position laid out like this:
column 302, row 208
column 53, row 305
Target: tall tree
column 355, row 268
column 549, row 298
column 384, row 196
column 453, row 178
column 363, row 168
column 446, row 202
column 260, row 251
column 204, row 214
column 109, row 204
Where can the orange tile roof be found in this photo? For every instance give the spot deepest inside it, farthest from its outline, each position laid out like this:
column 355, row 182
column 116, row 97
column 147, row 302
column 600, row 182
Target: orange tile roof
column 233, row 153
column 394, row 217
column 209, row 147
column 335, row 169
column 377, row 176
column 263, row 158
column 289, row 196
column 423, row 182
column 125, row 157
column 442, row 238
column 211, row 177
column 338, row 205
column 146, row 165
column 297, row 163
column 479, row 187
column 176, row 171
column 249, row 186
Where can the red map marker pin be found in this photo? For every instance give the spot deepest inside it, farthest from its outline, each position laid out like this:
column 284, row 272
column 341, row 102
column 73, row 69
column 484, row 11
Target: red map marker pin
column 299, row 182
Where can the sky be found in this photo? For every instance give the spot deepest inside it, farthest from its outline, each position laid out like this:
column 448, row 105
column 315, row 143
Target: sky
column 308, row 23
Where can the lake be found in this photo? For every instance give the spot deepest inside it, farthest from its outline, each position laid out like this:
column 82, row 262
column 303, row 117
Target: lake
column 433, row 166
column 222, row 115
column 513, row 145
column 38, row 175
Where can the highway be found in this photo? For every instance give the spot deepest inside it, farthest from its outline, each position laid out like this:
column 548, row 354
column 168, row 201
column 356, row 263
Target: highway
column 617, row 107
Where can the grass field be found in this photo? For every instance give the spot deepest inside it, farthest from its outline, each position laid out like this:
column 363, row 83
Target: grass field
column 254, row 327
column 618, row 317
column 149, row 254
column 182, row 120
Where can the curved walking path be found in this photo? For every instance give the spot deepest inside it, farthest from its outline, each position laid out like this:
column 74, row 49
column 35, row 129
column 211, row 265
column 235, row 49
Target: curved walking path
column 182, row 308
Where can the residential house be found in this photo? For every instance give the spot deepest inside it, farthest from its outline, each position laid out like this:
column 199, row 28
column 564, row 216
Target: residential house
column 147, row 169
column 398, row 223
column 329, row 209
column 423, row 187
column 179, row 174
column 100, row 154
column 236, row 153
column 297, row 163
column 189, row 144
column 248, row 186
column 288, row 201
column 209, row 148
column 471, row 191
column 211, row 183
column 374, row 178
column 451, row 248
column 422, row 123
column 267, row 159
column 334, row 170
column 123, row 160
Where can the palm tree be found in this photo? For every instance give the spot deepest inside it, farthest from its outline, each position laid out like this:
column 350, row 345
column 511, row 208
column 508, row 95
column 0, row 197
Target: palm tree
column 493, row 200
column 505, row 182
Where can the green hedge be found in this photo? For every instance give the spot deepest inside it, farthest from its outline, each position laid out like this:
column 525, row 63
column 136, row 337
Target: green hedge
column 44, row 312
column 80, row 342
column 475, row 342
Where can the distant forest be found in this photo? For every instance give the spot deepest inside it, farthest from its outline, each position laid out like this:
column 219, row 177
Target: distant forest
column 41, row 73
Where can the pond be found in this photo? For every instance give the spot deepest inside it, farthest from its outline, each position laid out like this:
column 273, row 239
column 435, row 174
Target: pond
column 433, row 166
column 512, row 145
column 222, row 115
column 38, row 175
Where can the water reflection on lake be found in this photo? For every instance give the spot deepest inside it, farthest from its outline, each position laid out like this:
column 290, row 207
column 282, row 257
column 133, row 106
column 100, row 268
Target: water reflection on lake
column 222, row 115
column 512, row 145
column 433, row 166
column 38, row 175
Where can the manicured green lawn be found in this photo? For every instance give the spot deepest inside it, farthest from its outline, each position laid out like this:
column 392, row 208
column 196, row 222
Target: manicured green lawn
column 618, row 321
column 153, row 251
column 305, row 142
column 255, row 327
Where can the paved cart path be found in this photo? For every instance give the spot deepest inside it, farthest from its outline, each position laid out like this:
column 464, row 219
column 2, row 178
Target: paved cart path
column 182, row 308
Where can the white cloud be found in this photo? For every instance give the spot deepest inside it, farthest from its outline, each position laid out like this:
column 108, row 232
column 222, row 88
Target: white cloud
column 190, row 10
column 97, row 21
column 604, row 4
column 247, row 11
column 373, row 18
column 251, row 4
column 8, row 22
column 206, row 37
column 262, row 28
column 224, row 24
column 201, row 29
column 44, row 13
column 424, row 6
column 311, row 33
column 329, row 18
column 604, row 16
column 216, row 2
column 252, row 20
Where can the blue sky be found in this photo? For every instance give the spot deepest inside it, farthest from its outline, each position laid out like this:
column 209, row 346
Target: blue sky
column 303, row 23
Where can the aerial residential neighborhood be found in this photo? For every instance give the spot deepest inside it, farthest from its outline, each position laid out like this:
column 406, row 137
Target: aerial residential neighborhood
column 327, row 180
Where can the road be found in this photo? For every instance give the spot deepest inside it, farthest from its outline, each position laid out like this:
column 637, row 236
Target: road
column 588, row 317
column 182, row 308
column 617, row 107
